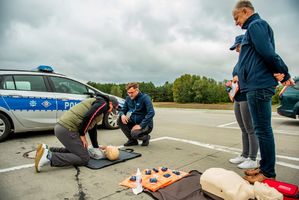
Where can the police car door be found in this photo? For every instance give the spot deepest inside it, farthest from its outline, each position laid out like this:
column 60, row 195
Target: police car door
column 29, row 100
column 68, row 93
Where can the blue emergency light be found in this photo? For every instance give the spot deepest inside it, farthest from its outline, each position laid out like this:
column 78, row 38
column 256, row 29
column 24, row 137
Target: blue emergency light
column 45, row 68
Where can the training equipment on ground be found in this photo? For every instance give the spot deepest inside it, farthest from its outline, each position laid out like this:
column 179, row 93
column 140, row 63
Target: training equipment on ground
column 157, row 180
column 288, row 190
column 138, row 189
column 226, row 184
column 124, row 155
column 185, row 188
column 112, row 153
column 96, row 153
column 263, row 191
column 133, row 178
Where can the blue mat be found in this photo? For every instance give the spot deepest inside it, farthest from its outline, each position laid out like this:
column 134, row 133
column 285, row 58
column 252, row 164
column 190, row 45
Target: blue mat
column 124, row 154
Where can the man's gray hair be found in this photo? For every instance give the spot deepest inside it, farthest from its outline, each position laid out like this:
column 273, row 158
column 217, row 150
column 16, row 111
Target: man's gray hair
column 244, row 4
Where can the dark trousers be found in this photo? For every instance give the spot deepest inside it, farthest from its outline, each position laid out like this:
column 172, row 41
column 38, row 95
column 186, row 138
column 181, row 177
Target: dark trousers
column 74, row 152
column 136, row 134
column 259, row 102
column 249, row 139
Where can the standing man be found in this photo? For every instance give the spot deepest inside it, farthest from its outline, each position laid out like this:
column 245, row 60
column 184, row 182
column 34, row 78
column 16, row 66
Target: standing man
column 71, row 131
column 136, row 116
column 257, row 63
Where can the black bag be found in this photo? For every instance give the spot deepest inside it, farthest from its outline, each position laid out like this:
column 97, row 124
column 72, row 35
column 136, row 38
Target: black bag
column 187, row 188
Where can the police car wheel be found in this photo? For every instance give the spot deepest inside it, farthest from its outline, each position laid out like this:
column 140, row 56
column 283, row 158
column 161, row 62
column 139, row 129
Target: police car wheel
column 110, row 120
column 5, row 127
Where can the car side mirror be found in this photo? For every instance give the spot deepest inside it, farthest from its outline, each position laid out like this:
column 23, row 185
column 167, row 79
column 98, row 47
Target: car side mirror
column 90, row 93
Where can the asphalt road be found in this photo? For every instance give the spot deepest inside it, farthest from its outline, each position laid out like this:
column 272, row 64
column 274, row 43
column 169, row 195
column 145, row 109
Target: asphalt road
column 183, row 139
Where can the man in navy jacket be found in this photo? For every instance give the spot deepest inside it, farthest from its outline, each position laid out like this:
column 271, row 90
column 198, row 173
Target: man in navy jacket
column 257, row 63
column 136, row 116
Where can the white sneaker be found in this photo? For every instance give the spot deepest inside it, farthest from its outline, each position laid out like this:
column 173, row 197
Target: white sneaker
column 248, row 164
column 41, row 158
column 237, row 160
column 40, row 146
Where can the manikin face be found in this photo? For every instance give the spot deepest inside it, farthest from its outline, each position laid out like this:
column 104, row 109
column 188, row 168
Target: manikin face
column 240, row 16
column 132, row 92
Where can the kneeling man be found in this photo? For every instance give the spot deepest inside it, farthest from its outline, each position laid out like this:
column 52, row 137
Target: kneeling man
column 136, row 116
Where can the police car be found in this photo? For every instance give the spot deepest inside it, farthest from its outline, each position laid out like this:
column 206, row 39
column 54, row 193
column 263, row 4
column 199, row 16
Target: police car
column 34, row 100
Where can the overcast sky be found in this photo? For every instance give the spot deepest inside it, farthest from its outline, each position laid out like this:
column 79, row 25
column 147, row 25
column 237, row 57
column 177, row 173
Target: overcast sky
column 119, row 41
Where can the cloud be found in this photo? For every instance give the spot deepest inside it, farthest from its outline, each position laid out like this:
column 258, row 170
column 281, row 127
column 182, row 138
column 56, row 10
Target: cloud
column 121, row 41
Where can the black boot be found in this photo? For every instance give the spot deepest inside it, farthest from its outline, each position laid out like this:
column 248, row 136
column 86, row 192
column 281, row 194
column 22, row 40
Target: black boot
column 131, row 143
column 146, row 140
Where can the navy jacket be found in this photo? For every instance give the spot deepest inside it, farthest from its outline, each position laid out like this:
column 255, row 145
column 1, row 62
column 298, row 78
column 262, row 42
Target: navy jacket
column 141, row 108
column 240, row 96
column 258, row 60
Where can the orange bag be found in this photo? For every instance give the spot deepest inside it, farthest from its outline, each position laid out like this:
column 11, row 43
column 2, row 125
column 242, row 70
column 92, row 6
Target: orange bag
column 163, row 177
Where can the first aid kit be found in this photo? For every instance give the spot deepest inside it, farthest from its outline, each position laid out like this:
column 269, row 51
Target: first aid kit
column 288, row 190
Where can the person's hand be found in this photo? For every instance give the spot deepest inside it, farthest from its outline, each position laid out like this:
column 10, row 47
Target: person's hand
column 136, row 127
column 235, row 79
column 110, row 107
column 278, row 76
column 124, row 119
column 228, row 84
column 102, row 147
column 289, row 82
column 84, row 141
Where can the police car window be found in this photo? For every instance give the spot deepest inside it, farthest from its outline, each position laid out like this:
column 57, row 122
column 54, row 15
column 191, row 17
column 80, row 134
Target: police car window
column 7, row 83
column 64, row 85
column 30, row 83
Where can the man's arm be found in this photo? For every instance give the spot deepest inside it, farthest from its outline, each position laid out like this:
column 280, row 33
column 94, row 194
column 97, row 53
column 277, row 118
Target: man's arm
column 98, row 107
column 150, row 112
column 93, row 135
column 259, row 34
column 124, row 109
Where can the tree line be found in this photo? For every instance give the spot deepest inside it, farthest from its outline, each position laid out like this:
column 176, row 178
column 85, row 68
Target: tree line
column 185, row 89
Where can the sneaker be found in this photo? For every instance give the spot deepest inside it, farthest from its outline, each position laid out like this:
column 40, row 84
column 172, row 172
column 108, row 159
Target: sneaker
column 145, row 142
column 252, row 172
column 39, row 147
column 258, row 177
column 41, row 158
column 131, row 143
column 248, row 164
column 237, row 160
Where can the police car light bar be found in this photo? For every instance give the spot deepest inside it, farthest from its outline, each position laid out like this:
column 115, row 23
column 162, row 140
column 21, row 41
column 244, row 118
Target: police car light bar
column 45, row 68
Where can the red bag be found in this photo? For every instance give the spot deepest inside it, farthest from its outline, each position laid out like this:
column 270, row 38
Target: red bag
column 288, row 190
column 290, row 198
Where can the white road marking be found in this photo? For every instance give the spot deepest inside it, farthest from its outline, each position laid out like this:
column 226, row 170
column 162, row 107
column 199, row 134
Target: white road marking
column 275, row 131
column 222, row 148
column 287, row 165
column 281, row 118
column 284, row 132
column 231, row 150
column 224, row 125
column 16, row 168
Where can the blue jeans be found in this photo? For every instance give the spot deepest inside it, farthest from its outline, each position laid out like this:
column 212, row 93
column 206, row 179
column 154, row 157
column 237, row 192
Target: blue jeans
column 259, row 102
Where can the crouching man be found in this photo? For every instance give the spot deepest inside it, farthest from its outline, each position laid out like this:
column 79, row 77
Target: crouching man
column 71, row 131
column 136, row 116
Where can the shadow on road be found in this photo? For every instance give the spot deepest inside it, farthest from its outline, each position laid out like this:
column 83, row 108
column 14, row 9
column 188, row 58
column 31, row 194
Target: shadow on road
column 294, row 122
column 30, row 134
